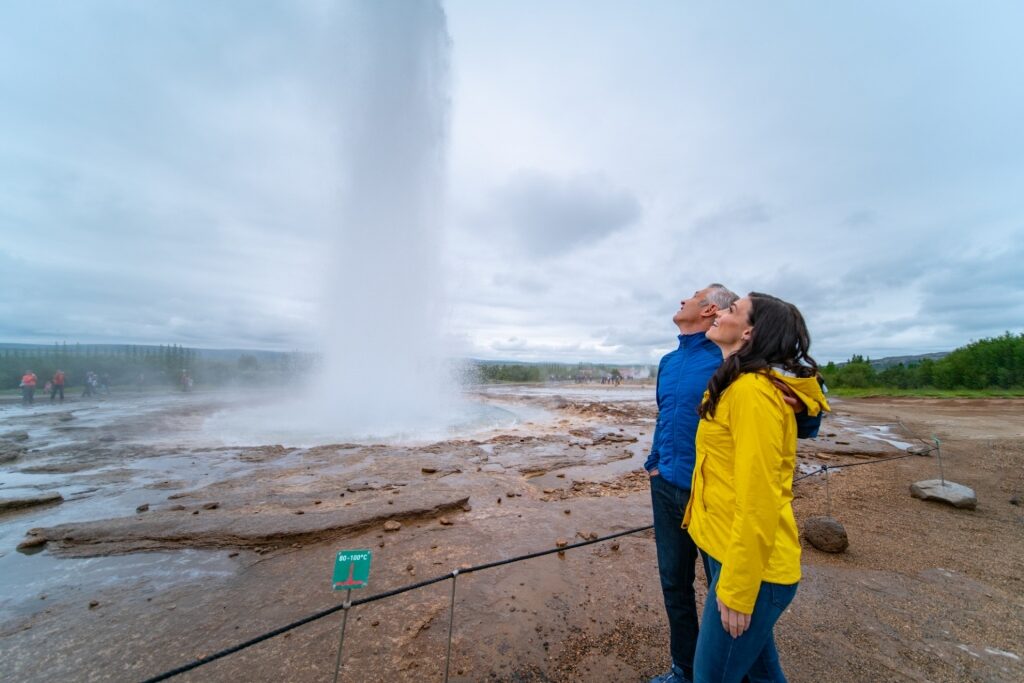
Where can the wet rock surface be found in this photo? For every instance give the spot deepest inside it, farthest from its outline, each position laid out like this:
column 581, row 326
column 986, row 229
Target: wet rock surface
column 10, row 503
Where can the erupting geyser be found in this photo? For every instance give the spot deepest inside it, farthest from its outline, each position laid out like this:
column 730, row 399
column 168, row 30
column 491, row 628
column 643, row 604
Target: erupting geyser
column 384, row 364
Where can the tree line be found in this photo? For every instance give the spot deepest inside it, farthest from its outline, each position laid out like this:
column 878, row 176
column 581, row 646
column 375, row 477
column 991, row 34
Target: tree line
column 549, row 372
column 995, row 363
column 138, row 365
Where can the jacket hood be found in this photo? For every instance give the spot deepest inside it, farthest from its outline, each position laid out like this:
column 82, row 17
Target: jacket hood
column 807, row 389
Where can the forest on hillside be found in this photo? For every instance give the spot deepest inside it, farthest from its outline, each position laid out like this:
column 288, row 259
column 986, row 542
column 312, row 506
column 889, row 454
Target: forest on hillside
column 994, row 363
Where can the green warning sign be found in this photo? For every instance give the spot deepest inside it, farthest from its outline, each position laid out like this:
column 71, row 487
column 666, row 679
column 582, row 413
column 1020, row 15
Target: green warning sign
column 351, row 569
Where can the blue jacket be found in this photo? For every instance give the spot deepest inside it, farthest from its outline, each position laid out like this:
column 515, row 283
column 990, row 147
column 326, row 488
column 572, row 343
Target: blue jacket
column 682, row 378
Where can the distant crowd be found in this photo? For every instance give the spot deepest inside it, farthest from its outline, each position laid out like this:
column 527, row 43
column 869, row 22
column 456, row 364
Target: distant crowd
column 93, row 384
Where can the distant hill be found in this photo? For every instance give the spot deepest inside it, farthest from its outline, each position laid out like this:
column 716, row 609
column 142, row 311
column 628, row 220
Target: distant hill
column 890, row 361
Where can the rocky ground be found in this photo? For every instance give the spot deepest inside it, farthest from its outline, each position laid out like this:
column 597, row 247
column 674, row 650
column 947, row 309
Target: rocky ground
column 925, row 592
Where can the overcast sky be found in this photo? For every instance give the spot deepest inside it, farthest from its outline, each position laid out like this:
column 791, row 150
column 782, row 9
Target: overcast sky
column 167, row 171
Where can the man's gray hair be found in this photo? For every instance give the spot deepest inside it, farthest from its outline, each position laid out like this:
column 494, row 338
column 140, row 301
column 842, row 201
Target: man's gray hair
column 720, row 296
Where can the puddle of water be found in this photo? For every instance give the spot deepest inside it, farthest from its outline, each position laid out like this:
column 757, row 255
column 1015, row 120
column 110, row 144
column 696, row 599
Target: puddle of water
column 25, row 578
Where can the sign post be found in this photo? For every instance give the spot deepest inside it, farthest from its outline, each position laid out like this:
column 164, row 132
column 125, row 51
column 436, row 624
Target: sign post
column 351, row 570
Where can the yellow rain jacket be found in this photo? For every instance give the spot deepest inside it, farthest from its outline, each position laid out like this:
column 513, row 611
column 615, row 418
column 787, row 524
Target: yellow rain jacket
column 740, row 510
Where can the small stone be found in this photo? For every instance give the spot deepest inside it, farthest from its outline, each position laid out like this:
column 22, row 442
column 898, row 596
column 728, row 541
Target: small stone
column 93, row 604
column 615, row 546
column 957, row 495
column 300, row 512
column 375, row 622
column 428, row 470
column 317, row 502
column 211, row 506
column 381, row 544
column 499, row 501
column 445, row 521
column 391, row 502
column 195, row 512
column 142, row 508
column 567, row 511
column 511, row 494
column 409, row 568
column 919, row 450
column 561, row 543
column 561, row 476
column 176, row 508
column 467, row 507
column 392, row 525
column 232, row 554
column 1015, row 499
column 826, row 534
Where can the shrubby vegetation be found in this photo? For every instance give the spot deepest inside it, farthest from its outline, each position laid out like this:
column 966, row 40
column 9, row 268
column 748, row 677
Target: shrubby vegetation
column 996, row 363
column 553, row 372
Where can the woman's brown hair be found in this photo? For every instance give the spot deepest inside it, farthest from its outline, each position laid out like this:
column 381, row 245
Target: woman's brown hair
column 779, row 337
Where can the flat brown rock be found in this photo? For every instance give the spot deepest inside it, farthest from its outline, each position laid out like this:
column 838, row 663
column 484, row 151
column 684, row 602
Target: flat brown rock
column 245, row 526
column 18, row 502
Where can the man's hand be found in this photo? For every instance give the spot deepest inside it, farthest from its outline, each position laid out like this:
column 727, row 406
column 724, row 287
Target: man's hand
column 789, row 396
column 735, row 623
column 653, row 473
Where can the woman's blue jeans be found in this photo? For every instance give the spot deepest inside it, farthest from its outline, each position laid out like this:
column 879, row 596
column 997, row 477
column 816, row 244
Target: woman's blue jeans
column 721, row 658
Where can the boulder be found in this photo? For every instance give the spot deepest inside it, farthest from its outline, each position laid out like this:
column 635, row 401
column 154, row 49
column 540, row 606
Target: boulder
column 392, row 525
column 957, row 495
column 826, row 534
column 920, row 450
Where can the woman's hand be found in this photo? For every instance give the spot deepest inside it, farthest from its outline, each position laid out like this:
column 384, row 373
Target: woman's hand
column 735, row 623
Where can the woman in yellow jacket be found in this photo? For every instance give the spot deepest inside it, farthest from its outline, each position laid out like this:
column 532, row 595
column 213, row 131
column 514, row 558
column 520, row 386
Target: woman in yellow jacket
column 740, row 511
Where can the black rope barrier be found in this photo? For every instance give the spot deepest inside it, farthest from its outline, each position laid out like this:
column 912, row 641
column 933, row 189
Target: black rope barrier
column 379, row 596
column 823, row 468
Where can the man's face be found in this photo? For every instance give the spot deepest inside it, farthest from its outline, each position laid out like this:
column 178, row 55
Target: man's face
column 690, row 309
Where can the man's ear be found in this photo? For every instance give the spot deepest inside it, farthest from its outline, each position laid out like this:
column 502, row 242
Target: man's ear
column 709, row 311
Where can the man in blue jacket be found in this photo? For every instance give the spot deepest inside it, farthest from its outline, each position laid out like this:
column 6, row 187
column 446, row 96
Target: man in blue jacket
column 682, row 377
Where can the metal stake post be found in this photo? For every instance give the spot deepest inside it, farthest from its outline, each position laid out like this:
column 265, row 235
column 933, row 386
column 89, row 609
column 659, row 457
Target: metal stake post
column 828, row 493
column 451, row 623
column 341, row 641
column 938, row 454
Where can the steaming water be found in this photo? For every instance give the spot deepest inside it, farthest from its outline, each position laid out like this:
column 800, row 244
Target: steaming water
column 384, row 368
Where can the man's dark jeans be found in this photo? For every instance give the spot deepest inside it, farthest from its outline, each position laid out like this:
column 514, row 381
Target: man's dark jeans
column 677, row 556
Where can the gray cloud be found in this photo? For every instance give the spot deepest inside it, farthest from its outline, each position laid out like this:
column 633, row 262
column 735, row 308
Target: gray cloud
column 548, row 215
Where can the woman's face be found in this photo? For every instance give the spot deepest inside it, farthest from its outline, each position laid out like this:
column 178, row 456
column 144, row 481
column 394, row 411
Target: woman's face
column 732, row 326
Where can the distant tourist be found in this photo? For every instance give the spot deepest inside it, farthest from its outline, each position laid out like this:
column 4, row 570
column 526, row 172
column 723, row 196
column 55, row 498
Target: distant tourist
column 28, row 387
column 743, row 478
column 57, row 386
column 90, row 384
